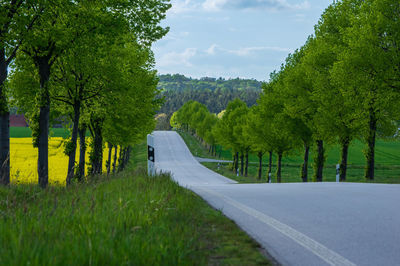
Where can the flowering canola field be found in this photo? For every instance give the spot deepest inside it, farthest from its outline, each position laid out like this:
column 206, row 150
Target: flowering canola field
column 23, row 161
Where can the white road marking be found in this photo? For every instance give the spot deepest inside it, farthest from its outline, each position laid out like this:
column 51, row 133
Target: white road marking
column 329, row 256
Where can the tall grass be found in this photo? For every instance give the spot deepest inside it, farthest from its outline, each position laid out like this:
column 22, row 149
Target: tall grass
column 124, row 219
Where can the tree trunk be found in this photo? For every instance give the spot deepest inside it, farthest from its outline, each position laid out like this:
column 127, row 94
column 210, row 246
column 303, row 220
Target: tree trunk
column 82, row 152
column 5, row 148
column 241, row 163
column 260, row 155
column 110, row 146
column 269, row 167
column 97, row 155
column 4, row 124
column 343, row 161
column 304, row 168
column 246, row 168
column 43, row 137
column 74, row 138
column 237, row 163
column 128, row 157
column 115, row 158
column 121, row 160
column 278, row 171
column 370, row 154
column 319, row 161
column 234, row 162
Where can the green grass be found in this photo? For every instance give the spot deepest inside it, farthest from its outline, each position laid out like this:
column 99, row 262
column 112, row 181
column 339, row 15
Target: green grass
column 127, row 219
column 26, row 132
column 387, row 167
column 194, row 146
column 139, row 157
column 291, row 173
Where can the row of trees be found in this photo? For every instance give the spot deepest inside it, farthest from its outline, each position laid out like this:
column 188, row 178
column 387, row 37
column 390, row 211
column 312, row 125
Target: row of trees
column 342, row 85
column 89, row 62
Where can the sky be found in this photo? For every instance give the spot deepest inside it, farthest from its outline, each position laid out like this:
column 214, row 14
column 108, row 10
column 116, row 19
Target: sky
column 234, row 38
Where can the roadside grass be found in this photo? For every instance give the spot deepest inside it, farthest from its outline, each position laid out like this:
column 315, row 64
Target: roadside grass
column 387, row 167
column 195, row 147
column 123, row 219
column 138, row 160
column 291, row 173
column 26, row 132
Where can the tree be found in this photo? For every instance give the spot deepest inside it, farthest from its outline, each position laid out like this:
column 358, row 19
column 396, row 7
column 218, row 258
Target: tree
column 228, row 131
column 299, row 105
column 80, row 75
column 258, row 133
column 282, row 135
column 208, row 124
column 239, row 115
column 55, row 30
column 16, row 20
column 336, row 116
column 368, row 70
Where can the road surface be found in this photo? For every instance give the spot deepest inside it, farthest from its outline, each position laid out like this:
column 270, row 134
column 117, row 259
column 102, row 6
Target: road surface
column 298, row 224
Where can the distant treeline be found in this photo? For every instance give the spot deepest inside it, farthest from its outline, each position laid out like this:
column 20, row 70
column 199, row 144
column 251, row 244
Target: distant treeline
column 212, row 92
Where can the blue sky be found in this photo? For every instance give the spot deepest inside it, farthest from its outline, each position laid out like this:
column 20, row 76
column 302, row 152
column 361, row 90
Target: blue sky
column 234, row 38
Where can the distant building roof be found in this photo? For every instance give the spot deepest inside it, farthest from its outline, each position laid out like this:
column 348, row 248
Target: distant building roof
column 18, row 121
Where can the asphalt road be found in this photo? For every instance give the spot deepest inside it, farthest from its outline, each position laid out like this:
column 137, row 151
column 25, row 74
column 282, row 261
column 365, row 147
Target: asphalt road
column 298, row 224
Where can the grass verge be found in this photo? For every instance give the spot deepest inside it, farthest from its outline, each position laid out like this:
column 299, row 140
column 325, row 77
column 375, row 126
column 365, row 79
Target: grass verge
column 194, row 145
column 127, row 219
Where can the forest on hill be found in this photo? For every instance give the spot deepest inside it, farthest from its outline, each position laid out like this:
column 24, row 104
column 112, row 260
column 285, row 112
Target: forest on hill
column 215, row 93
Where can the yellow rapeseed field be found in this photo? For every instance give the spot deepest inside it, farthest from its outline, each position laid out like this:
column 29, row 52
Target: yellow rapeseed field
column 23, row 161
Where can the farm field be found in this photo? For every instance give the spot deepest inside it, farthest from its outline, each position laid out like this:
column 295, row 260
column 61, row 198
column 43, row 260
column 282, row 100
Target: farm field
column 26, row 132
column 23, row 157
column 387, row 164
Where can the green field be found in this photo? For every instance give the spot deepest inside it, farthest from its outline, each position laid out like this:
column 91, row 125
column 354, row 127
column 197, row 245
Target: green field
column 387, row 167
column 26, row 132
column 123, row 219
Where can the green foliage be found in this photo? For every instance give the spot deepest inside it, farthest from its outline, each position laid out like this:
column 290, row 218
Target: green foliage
column 215, row 94
column 69, row 146
column 90, row 63
column 228, row 131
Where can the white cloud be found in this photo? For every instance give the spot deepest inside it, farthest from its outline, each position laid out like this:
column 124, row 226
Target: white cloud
column 174, row 58
column 246, row 51
column 182, row 6
column 216, row 5
column 212, row 49
column 171, row 36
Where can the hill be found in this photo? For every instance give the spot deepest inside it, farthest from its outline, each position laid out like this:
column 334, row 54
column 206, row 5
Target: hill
column 215, row 93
